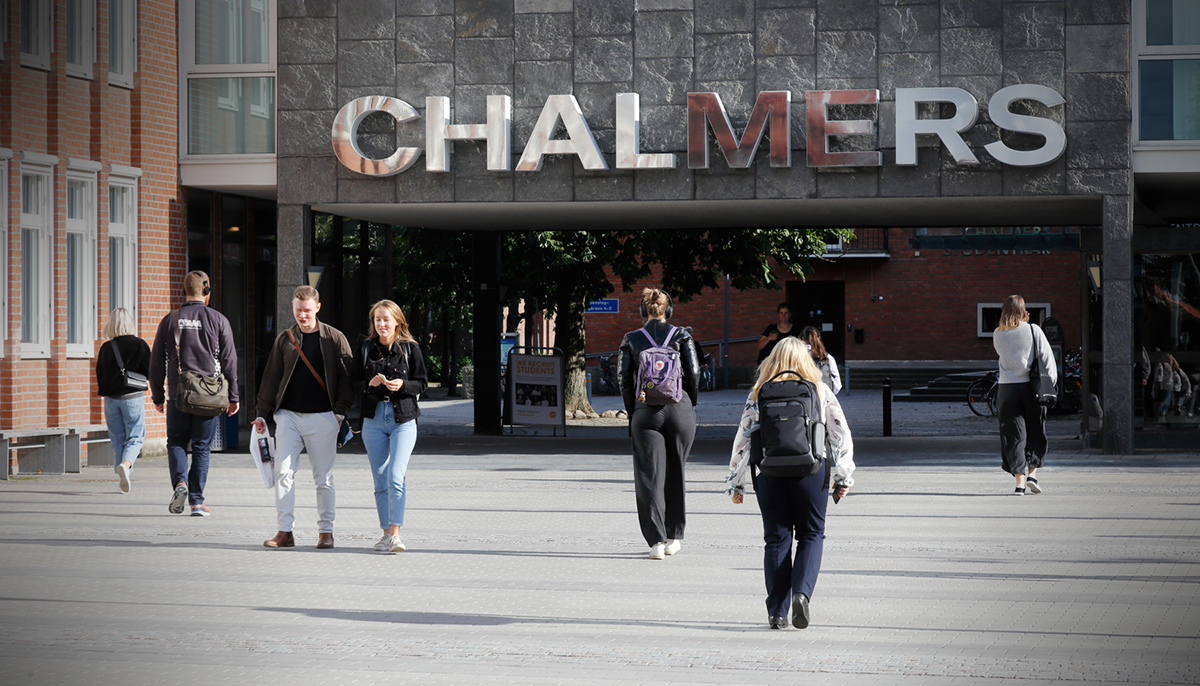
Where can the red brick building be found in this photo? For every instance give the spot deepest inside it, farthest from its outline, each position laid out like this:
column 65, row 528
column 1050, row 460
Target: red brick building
column 91, row 213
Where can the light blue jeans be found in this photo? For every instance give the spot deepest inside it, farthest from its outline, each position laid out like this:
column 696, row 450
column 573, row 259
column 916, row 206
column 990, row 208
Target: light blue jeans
column 126, row 419
column 389, row 445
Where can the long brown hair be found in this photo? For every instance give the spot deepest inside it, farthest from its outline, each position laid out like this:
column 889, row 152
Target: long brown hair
column 812, row 337
column 1012, row 314
column 402, row 333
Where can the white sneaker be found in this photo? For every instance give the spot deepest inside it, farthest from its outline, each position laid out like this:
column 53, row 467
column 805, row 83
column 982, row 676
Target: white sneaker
column 123, row 475
column 395, row 545
column 673, row 546
column 384, row 543
column 658, row 551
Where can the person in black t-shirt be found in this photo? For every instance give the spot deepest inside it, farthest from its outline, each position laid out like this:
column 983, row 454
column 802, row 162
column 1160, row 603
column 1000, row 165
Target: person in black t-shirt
column 776, row 332
column 306, row 388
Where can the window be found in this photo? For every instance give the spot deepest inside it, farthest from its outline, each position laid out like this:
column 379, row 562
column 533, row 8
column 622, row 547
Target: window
column 36, row 33
column 80, row 300
column 81, row 42
column 122, row 42
column 1167, row 40
column 122, row 244
column 232, row 32
column 242, row 123
column 36, row 260
column 987, row 316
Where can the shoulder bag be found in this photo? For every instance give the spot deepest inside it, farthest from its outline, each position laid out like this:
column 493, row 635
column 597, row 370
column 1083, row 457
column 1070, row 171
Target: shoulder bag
column 195, row 393
column 1043, row 384
column 345, row 432
column 133, row 381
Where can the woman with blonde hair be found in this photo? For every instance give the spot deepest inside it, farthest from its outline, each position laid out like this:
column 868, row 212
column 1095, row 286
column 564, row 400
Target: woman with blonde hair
column 124, row 406
column 662, row 429
column 390, row 377
column 1023, row 441
column 791, row 506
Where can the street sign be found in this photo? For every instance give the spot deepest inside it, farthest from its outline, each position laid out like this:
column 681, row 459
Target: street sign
column 604, row 306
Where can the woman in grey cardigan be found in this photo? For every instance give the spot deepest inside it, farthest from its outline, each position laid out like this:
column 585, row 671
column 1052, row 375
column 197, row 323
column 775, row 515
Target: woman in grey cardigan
column 1022, row 418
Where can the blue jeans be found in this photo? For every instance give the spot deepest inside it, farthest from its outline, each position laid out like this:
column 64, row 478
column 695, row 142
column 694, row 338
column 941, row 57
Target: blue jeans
column 181, row 428
column 389, row 445
column 791, row 506
column 126, row 419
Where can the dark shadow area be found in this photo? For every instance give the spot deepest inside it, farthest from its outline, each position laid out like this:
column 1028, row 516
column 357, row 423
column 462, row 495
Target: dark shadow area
column 446, row 618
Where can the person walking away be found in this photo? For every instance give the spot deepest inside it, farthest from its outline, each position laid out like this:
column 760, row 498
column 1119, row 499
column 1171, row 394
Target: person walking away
column 1169, row 382
column 776, row 331
column 821, row 357
column 123, row 355
column 306, row 388
column 662, row 428
column 194, row 338
column 1023, row 441
column 791, row 506
column 390, row 376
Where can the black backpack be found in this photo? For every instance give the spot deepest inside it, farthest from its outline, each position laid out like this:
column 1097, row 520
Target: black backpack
column 791, row 435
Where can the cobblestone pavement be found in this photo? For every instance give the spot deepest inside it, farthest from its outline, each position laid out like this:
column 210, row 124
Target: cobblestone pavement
column 525, row 566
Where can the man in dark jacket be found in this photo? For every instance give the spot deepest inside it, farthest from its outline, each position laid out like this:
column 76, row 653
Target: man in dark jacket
column 306, row 388
column 205, row 345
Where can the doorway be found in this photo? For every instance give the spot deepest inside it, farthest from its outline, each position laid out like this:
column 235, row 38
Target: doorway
column 821, row 304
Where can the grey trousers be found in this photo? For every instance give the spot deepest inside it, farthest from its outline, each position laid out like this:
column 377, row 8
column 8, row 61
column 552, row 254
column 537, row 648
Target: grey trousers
column 662, row 439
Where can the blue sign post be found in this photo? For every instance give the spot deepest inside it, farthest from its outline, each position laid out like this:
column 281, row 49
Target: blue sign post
column 604, row 306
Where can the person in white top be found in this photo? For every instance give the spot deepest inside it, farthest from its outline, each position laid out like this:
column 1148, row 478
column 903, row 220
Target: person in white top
column 1022, row 418
column 792, row 506
column 821, row 357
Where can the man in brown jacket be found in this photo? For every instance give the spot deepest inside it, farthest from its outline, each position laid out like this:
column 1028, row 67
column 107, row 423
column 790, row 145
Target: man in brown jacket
column 306, row 388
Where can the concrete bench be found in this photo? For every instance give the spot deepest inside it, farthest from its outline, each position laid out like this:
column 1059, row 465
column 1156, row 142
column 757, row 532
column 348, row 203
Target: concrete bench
column 100, row 452
column 39, row 451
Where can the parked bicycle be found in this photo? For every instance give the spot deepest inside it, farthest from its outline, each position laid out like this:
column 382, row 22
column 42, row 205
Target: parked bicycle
column 981, row 394
column 608, row 373
column 706, row 373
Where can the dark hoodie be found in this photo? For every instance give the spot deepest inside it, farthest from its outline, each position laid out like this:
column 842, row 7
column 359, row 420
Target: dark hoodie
column 205, row 339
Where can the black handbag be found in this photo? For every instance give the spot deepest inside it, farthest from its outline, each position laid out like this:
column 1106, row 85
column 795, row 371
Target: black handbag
column 133, row 381
column 1044, row 388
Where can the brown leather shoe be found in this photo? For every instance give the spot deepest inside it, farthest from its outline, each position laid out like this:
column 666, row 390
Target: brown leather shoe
column 283, row 539
column 325, row 539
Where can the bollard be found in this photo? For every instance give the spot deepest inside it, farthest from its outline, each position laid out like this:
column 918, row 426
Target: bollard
column 887, row 407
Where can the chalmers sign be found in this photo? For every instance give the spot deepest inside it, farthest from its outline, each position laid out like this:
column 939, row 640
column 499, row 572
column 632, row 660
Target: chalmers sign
column 705, row 111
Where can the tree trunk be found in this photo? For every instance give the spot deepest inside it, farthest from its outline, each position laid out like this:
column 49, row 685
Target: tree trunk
column 569, row 335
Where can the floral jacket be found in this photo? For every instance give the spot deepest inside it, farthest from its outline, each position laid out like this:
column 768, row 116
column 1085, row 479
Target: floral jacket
column 840, row 446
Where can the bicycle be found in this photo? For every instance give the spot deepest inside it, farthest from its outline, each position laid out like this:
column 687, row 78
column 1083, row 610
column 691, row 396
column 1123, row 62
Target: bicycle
column 981, row 394
column 706, row 373
column 608, row 374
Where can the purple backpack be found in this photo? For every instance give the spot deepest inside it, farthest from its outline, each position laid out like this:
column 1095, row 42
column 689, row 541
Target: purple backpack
column 660, row 374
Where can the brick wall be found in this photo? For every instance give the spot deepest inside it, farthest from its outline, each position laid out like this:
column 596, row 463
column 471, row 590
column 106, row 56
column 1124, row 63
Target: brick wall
column 51, row 113
column 928, row 310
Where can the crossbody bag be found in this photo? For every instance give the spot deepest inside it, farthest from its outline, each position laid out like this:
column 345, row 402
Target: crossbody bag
column 134, row 382
column 345, row 431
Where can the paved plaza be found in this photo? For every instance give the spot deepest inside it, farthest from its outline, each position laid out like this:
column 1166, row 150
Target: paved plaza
column 525, row 566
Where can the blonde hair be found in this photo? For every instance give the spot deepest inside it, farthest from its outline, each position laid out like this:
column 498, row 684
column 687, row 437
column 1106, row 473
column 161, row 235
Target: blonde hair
column 655, row 302
column 1012, row 314
column 402, row 333
column 790, row 354
column 120, row 323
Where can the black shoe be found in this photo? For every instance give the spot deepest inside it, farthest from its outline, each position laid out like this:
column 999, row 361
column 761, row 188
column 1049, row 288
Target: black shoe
column 800, row 611
column 777, row 622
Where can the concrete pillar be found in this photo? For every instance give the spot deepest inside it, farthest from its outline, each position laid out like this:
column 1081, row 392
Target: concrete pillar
column 485, row 288
column 1117, row 288
column 292, row 259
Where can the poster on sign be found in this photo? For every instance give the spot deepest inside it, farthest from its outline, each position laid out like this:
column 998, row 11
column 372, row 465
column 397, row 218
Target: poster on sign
column 535, row 389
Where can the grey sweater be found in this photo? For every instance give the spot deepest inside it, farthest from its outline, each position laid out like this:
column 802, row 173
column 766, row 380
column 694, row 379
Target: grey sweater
column 1015, row 348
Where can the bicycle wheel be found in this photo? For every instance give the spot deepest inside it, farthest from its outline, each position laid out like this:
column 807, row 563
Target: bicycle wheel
column 977, row 398
column 991, row 399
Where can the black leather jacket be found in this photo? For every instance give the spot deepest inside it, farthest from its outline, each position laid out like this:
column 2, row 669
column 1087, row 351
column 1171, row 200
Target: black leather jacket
column 635, row 342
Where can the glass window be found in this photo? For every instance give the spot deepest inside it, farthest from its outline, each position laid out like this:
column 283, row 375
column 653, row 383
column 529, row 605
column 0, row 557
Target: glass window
column 122, row 42
column 1172, row 22
column 35, row 33
column 231, row 115
column 232, row 32
column 1169, row 94
column 1167, row 330
column 81, row 26
column 80, row 267
column 122, row 246
column 35, row 263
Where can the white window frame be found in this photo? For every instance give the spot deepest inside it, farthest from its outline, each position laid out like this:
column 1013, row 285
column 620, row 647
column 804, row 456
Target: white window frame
column 85, row 172
column 125, row 178
column 980, row 307
column 42, row 166
column 128, row 46
column 1141, row 51
column 40, row 59
column 86, row 35
column 5, row 156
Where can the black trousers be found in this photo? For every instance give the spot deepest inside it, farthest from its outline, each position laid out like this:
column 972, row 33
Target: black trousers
column 1022, row 428
column 662, row 439
column 791, row 507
